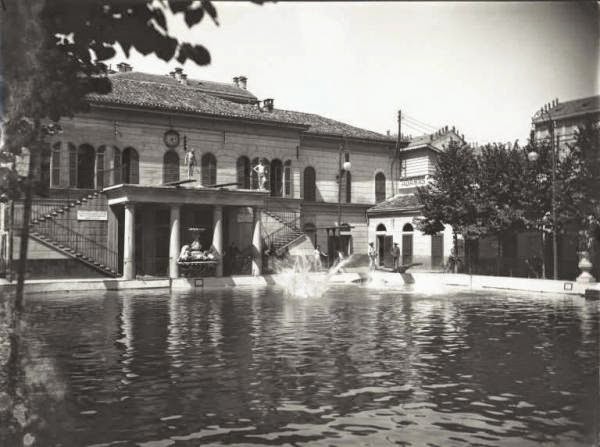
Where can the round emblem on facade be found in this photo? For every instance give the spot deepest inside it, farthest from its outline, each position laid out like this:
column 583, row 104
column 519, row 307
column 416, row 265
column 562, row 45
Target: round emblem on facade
column 171, row 138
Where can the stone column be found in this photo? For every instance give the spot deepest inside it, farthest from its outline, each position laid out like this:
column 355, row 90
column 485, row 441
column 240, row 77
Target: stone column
column 257, row 243
column 174, row 241
column 217, row 241
column 129, row 242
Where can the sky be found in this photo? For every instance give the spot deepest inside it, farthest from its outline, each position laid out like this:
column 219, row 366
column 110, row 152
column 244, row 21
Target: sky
column 482, row 67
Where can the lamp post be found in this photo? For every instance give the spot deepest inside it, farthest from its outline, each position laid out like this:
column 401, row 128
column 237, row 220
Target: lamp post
column 342, row 167
column 533, row 157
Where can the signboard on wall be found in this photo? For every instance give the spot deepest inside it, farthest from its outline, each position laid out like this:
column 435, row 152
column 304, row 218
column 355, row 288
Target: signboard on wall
column 92, row 215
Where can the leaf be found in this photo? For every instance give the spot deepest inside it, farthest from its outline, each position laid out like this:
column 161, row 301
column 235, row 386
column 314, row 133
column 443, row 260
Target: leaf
column 197, row 53
column 178, row 5
column 193, row 16
column 211, row 10
column 159, row 18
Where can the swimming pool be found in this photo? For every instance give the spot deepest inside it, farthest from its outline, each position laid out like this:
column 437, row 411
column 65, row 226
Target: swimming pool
column 354, row 367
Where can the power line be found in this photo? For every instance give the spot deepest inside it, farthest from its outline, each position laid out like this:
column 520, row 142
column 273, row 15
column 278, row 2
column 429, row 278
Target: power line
column 421, row 122
column 418, row 126
column 416, row 129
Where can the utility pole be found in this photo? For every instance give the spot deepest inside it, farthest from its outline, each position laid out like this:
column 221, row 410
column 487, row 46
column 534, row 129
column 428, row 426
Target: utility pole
column 554, row 145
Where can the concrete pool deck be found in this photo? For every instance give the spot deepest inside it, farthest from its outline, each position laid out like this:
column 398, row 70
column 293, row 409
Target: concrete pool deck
column 431, row 281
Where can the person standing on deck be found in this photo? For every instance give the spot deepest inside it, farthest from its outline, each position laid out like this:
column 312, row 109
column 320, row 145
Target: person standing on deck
column 372, row 256
column 396, row 256
column 317, row 258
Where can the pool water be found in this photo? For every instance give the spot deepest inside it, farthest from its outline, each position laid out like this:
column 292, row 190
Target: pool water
column 354, row 367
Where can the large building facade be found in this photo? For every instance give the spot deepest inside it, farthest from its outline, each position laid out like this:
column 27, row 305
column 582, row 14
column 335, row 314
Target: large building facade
column 120, row 203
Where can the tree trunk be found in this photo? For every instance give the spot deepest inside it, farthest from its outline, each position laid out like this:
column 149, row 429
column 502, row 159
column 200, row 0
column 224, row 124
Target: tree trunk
column 500, row 252
column 455, row 243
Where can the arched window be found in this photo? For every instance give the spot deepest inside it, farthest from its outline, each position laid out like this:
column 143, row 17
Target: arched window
column 85, row 167
column 116, row 168
column 348, row 179
column 407, row 227
column 381, row 227
column 243, row 172
column 287, row 178
column 56, row 164
column 310, row 187
column 170, row 167
column 130, row 166
column 276, row 178
column 209, row 169
column 379, row 187
column 100, row 167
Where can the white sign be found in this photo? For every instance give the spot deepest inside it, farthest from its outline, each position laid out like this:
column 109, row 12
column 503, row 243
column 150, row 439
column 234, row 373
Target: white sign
column 92, row 215
column 420, row 180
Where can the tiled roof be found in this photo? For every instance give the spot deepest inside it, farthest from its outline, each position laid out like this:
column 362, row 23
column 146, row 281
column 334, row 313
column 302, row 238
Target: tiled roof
column 400, row 202
column 572, row 108
column 166, row 93
column 215, row 88
column 435, row 140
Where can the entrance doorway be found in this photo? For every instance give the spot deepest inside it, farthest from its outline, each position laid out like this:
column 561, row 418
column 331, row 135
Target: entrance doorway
column 384, row 247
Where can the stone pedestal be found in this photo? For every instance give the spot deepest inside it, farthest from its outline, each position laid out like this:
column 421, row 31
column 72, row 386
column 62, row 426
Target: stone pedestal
column 585, row 265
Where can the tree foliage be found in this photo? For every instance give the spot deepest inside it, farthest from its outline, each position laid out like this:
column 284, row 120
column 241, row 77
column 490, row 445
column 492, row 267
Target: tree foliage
column 447, row 198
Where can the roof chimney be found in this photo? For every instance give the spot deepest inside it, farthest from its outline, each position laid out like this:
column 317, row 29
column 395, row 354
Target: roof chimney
column 236, row 81
column 268, row 104
column 172, row 74
column 178, row 73
column 183, row 79
column 388, row 132
column 124, row 67
column 243, row 82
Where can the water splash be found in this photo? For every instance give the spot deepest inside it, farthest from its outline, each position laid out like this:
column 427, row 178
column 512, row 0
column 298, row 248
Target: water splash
column 301, row 278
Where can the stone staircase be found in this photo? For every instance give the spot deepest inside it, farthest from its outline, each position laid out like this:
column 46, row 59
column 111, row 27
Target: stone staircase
column 54, row 208
column 54, row 224
column 281, row 230
column 74, row 253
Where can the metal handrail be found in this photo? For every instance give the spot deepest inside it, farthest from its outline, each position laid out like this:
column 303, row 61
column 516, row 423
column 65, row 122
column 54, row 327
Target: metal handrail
column 282, row 232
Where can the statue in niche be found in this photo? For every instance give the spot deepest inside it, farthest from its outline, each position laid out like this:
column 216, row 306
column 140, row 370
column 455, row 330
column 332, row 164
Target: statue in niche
column 190, row 162
column 261, row 172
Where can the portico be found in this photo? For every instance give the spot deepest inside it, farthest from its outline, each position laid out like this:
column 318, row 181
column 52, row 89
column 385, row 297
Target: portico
column 148, row 225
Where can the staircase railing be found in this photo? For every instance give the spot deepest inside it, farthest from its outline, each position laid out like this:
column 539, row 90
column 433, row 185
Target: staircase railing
column 285, row 217
column 283, row 236
column 51, row 221
column 66, row 239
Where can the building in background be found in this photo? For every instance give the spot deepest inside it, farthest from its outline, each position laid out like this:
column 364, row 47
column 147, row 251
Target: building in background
column 567, row 117
column 392, row 220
